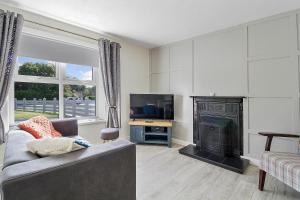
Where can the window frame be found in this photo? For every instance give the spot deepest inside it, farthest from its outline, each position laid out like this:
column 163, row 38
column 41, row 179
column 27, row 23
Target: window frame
column 59, row 79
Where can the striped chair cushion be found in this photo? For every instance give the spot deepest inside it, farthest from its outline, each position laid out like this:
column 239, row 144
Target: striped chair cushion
column 283, row 166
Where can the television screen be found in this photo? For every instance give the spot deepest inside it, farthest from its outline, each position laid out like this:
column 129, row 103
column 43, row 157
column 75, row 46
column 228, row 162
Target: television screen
column 152, row 106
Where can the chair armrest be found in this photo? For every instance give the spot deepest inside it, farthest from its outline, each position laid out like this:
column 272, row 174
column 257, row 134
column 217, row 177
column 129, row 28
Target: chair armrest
column 278, row 134
column 67, row 127
column 270, row 136
column 106, row 171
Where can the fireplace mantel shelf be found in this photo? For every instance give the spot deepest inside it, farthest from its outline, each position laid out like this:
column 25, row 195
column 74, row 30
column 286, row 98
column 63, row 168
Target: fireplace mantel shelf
column 229, row 97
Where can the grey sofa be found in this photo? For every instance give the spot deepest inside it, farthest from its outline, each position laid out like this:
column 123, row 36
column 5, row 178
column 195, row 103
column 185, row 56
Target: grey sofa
column 101, row 172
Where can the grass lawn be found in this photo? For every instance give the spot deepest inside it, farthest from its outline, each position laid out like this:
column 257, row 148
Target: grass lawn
column 20, row 115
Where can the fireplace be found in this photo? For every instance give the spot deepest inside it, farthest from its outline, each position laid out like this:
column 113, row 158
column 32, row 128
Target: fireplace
column 215, row 137
column 218, row 132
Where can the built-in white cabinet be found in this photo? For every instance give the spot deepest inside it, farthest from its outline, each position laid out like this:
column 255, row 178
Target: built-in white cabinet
column 219, row 64
column 298, row 29
column 271, row 114
column 181, row 55
column 160, row 82
column 181, row 81
column 172, row 72
column 270, row 38
column 160, row 65
column 258, row 60
column 160, row 60
column 272, row 78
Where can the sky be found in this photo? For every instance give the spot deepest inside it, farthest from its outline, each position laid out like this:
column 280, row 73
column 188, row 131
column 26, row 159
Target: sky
column 79, row 72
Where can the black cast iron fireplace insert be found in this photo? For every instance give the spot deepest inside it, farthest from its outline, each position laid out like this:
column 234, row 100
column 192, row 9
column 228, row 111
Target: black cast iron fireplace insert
column 215, row 136
column 218, row 132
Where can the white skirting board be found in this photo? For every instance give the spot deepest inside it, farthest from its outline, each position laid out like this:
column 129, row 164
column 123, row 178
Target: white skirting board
column 181, row 142
column 253, row 161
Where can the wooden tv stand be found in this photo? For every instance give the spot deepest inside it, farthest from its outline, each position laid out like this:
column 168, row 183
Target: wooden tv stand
column 151, row 131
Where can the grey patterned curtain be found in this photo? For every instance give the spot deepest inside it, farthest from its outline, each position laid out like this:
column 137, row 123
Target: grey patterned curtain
column 10, row 32
column 110, row 68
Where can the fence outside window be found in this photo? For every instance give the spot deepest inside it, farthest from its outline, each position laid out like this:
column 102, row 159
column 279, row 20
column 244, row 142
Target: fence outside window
column 72, row 108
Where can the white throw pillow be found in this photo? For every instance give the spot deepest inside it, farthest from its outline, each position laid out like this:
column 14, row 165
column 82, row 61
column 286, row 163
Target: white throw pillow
column 52, row 146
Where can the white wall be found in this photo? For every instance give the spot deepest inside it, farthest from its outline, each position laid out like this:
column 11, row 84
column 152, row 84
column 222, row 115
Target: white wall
column 91, row 132
column 172, row 71
column 134, row 65
column 134, row 78
column 258, row 60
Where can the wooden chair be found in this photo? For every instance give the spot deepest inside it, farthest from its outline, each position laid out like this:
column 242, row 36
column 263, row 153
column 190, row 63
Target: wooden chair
column 283, row 166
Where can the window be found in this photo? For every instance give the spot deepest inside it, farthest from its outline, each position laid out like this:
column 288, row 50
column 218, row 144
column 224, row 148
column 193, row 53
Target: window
column 33, row 99
column 53, row 89
column 35, row 67
column 79, row 72
column 79, row 101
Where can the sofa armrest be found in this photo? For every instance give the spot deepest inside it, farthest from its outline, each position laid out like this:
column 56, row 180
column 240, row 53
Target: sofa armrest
column 106, row 171
column 67, row 127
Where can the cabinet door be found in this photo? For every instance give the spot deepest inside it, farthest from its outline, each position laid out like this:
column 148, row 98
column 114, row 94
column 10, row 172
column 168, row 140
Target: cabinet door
column 132, row 133
column 137, row 134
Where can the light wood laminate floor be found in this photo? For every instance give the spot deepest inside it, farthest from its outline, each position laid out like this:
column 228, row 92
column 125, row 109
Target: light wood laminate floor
column 164, row 174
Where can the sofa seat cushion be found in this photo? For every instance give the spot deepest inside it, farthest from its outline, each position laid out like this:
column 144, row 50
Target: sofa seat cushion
column 16, row 150
column 283, row 166
column 76, row 137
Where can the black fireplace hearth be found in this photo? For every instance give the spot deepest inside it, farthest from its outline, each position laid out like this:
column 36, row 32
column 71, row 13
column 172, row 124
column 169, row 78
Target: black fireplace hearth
column 218, row 132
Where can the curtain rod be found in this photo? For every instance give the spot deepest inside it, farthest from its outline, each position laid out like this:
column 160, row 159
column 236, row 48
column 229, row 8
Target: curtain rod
column 59, row 29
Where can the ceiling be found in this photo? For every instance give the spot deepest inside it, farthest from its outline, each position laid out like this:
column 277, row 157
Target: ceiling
column 155, row 22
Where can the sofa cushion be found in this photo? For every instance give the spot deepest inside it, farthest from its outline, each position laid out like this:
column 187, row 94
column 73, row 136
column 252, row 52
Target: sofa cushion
column 39, row 127
column 55, row 146
column 16, row 150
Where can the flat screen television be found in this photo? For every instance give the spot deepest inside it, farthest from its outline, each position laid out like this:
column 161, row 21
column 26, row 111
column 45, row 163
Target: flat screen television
column 152, row 106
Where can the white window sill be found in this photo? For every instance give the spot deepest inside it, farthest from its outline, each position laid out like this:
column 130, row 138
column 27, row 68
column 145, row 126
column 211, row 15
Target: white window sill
column 90, row 121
